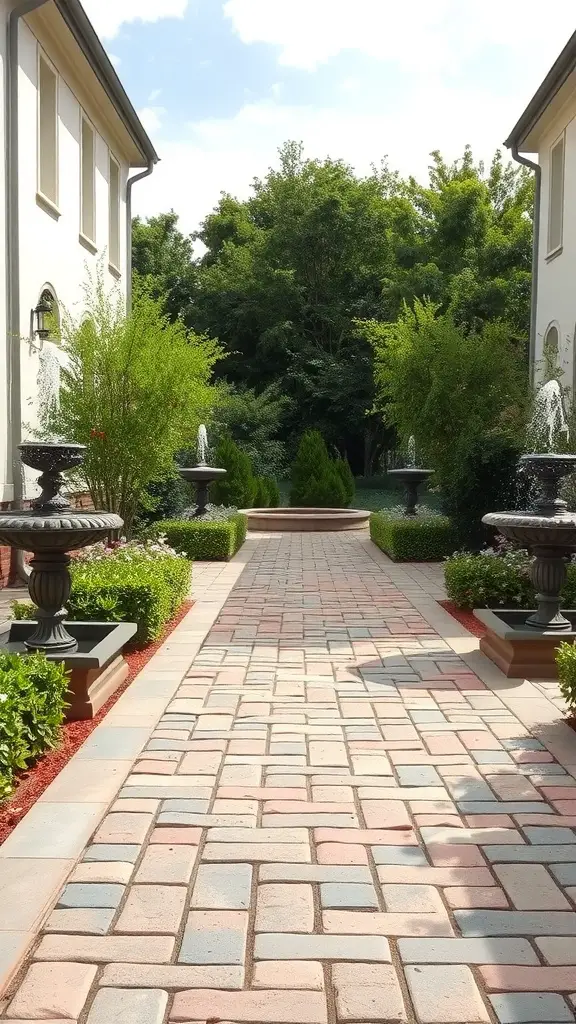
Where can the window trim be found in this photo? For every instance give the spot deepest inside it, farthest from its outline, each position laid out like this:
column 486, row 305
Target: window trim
column 551, row 253
column 84, row 238
column 112, row 265
column 51, row 205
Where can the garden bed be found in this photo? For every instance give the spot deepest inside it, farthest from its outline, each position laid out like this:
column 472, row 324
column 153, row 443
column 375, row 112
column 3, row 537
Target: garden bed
column 465, row 617
column 33, row 782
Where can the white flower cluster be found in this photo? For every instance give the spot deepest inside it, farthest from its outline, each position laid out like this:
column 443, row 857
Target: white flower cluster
column 127, row 551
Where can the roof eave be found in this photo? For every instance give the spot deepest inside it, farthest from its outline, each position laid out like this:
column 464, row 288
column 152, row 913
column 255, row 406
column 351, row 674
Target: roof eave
column 541, row 100
column 82, row 29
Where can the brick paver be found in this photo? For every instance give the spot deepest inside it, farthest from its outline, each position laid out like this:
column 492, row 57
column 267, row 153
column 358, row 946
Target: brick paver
column 335, row 820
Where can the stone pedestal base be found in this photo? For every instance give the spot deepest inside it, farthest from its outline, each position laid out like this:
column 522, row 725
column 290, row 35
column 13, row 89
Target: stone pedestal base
column 518, row 651
column 90, row 689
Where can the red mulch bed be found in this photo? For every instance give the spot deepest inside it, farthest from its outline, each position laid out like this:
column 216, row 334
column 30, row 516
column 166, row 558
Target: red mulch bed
column 33, row 782
column 465, row 618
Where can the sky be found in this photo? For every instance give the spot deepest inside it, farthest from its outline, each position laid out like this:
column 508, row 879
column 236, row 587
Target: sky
column 221, row 84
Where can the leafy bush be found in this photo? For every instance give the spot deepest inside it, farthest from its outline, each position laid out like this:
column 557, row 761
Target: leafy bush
column 427, row 366
column 206, row 541
column 424, row 538
column 485, row 479
column 125, row 587
column 566, row 663
column 133, row 387
column 238, row 486
column 348, row 482
column 498, row 580
column 32, row 702
column 486, row 580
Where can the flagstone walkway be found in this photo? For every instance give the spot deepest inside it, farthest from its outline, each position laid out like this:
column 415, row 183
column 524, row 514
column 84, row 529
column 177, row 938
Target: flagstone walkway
column 343, row 814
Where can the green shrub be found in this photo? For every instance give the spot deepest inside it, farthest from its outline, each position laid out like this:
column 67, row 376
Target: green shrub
column 424, row 538
column 206, row 541
column 347, row 478
column 325, row 490
column 148, row 593
column 32, row 703
column 484, row 479
column 273, row 492
column 566, row 662
column 261, row 493
column 481, row 581
column 311, row 463
column 237, row 488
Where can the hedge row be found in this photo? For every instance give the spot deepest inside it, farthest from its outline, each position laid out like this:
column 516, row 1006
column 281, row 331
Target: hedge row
column 147, row 592
column 423, row 538
column 32, row 703
column 204, row 541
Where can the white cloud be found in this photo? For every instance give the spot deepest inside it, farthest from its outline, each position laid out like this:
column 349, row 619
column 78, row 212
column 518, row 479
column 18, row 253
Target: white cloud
column 151, row 118
column 108, row 16
column 432, row 34
column 450, row 99
column 225, row 154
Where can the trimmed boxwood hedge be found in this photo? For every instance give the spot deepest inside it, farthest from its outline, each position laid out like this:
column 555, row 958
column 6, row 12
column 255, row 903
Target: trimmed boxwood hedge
column 202, row 540
column 32, row 703
column 423, row 538
column 146, row 591
column 490, row 581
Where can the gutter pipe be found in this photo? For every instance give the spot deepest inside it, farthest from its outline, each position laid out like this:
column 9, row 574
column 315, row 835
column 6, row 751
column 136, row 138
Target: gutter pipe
column 535, row 250
column 14, row 372
column 129, row 185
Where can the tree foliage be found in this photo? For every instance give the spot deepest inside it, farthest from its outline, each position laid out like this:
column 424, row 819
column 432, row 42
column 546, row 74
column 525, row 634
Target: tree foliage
column 445, row 385
column 133, row 390
column 288, row 272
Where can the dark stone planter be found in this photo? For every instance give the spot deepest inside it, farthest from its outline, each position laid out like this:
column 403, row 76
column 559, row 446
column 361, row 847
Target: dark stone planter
column 96, row 666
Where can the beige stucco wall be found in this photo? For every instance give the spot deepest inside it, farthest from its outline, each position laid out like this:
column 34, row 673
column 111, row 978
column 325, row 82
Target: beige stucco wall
column 51, row 252
column 557, row 275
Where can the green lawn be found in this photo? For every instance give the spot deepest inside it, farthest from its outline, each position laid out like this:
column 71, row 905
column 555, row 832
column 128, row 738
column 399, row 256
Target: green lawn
column 373, row 500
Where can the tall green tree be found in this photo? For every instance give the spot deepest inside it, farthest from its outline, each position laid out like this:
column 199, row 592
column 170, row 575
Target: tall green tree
column 288, row 272
column 163, row 259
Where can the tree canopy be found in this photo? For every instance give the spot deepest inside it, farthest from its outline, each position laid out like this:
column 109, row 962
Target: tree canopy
column 286, row 275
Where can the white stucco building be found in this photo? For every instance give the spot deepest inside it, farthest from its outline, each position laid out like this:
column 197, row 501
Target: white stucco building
column 73, row 148
column 545, row 139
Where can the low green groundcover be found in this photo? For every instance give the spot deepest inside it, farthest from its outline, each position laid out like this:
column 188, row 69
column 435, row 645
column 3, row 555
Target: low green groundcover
column 32, row 703
column 497, row 581
column 204, row 541
column 132, row 584
column 427, row 537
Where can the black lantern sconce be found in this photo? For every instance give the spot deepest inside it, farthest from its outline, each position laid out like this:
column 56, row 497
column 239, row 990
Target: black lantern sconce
column 42, row 310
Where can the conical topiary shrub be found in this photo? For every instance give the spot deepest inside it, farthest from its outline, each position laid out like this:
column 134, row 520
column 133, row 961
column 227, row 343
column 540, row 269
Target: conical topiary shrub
column 348, row 482
column 273, row 492
column 312, row 462
column 237, row 488
column 326, row 490
column 261, row 493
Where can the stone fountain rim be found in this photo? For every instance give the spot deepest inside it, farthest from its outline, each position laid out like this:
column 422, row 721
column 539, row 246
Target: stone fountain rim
column 562, row 521
column 410, row 470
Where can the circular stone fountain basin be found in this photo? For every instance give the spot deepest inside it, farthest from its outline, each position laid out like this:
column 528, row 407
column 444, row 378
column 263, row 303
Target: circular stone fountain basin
column 305, row 520
column 67, row 531
column 410, row 474
column 531, row 529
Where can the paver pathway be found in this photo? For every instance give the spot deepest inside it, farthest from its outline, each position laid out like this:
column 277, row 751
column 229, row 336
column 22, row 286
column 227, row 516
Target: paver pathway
column 336, row 819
